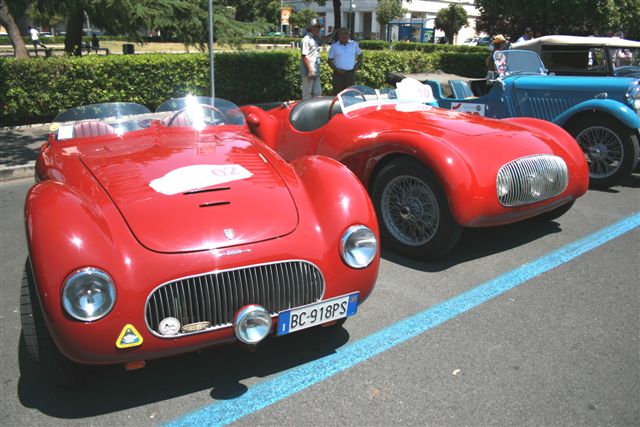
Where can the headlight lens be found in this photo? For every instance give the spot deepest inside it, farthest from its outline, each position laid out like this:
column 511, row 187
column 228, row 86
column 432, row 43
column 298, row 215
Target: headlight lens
column 88, row 294
column 633, row 97
column 358, row 246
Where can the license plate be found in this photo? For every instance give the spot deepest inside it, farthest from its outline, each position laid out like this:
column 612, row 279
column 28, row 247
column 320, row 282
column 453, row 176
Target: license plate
column 318, row 313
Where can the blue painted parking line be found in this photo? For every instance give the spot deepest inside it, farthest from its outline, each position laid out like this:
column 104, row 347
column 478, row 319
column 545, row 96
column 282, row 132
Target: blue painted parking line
column 296, row 379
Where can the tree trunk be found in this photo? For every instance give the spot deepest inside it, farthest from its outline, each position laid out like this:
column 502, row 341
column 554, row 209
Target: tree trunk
column 337, row 14
column 73, row 39
column 7, row 21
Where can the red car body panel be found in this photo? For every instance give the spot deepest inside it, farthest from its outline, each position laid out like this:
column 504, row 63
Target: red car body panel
column 92, row 206
column 464, row 151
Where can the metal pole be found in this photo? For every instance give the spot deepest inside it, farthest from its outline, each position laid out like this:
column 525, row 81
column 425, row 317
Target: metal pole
column 211, row 79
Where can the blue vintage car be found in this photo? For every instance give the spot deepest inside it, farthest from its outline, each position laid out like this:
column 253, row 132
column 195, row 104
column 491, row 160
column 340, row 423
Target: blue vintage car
column 602, row 113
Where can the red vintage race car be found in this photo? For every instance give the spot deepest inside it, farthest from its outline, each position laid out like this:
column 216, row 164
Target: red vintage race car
column 430, row 172
column 151, row 235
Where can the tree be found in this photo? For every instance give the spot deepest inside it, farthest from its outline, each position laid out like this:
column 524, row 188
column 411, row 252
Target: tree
column 571, row 17
column 450, row 20
column 300, row 19
column 7, row 21
column 184, row 20
column 387, row 11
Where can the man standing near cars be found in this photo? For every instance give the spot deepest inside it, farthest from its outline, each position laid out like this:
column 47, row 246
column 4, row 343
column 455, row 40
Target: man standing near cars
column 345, row 57
column 35, row 39
column 528, row 35
column 310, row 65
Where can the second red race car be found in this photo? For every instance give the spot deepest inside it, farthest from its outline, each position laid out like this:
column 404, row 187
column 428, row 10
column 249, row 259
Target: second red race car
column 431, row 172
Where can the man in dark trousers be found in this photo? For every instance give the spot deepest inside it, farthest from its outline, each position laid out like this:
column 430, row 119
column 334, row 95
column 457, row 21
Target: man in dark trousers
column 345, row 57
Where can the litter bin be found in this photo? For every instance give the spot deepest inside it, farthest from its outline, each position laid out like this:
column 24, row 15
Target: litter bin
column 128, row 49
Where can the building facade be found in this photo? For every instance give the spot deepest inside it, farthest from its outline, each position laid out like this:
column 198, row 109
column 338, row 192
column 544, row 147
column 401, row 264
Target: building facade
column 360, row 16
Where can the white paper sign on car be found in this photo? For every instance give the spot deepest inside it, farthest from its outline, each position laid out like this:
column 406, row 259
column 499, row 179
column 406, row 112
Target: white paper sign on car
column 467, row 107
column 412, row 90
column 194, row 177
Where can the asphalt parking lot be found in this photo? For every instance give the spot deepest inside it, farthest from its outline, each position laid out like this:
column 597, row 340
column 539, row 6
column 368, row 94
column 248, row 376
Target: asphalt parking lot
column 527, row 324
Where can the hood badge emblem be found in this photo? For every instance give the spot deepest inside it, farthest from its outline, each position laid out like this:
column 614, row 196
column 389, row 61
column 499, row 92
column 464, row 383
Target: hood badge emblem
column 229, row 233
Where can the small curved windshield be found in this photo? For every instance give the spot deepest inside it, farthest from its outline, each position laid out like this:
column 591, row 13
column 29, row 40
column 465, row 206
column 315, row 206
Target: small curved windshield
column 111, row 118
column 515, row 62
column 407, row 91
column 199, row 112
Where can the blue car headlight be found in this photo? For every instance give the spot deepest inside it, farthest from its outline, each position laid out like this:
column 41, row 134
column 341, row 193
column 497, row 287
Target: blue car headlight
column 358, row 246
column 88, row 294
column 633, row 97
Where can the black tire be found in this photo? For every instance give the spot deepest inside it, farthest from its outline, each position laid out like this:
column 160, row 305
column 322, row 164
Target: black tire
column 554, row 214
column 40, row 347
column 420, row 226
column 610, row 147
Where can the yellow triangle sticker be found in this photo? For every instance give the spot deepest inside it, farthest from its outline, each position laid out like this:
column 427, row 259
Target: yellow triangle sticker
column 129, row 337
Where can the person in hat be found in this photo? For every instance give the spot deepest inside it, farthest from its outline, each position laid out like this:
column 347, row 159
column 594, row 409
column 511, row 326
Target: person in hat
column 310, row 64
column 499, row 43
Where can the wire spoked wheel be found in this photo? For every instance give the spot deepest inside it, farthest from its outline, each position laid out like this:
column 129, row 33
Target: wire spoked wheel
column 410, row 210
column 611, row 149
column 413, row 211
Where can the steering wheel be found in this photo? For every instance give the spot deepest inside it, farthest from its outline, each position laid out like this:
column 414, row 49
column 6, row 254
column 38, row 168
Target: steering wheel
column 205, row 106
column 335, row 99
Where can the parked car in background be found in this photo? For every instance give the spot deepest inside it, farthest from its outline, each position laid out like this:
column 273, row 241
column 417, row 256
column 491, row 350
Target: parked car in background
column 586, row 56
column 471, row 41
column 431, row 172
column 151, row 236
column 603, row 114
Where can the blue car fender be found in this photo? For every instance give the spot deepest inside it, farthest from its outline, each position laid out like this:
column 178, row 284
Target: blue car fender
column 607, row 106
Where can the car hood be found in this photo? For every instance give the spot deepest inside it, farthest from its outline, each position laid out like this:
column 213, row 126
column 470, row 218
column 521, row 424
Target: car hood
column 426, row 118
column 194, row 192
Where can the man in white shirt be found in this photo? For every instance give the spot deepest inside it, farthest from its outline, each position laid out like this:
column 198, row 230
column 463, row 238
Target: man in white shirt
column 310, row 64
column 35, row 39
column 528, row 35
column 345, row 58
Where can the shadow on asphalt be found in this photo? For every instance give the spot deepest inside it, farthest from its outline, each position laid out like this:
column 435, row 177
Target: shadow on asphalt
column 479, row 243
column 20, row 147
column 111, row 388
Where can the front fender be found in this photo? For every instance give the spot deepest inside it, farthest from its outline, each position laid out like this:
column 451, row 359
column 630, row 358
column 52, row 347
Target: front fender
column 338, row 200
column 448, row 165
column 563, row 144
column 65, row 232
column 614, row 108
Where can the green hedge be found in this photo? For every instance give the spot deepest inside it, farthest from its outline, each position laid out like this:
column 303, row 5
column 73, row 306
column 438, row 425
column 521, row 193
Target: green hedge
column 35, row 90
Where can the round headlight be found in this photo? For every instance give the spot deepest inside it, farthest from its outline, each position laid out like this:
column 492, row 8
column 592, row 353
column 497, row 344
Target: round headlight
column 252, row 324
column 358, row 246
column 88, row 294
column 633, row 96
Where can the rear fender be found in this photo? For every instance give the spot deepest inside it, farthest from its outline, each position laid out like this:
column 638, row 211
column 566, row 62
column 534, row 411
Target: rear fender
column 262, row 124
column 606, row 106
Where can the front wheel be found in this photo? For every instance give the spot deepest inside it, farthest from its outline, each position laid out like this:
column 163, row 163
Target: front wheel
column 413, row 211
column 610, row 147
column 38, row 342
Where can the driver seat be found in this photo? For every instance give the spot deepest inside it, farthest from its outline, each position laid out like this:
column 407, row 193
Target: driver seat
column 312, row 114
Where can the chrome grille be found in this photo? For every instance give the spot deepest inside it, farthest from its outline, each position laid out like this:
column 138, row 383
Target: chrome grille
column 531, row 179
column 216, row 297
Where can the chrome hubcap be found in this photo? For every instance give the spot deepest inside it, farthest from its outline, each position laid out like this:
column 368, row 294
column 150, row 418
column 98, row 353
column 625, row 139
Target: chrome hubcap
column 410, row 210
column 603, row 149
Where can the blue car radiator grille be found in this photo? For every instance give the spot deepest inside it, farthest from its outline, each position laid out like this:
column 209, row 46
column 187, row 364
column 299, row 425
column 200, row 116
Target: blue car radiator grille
column 216, row 297
column 531, row 179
